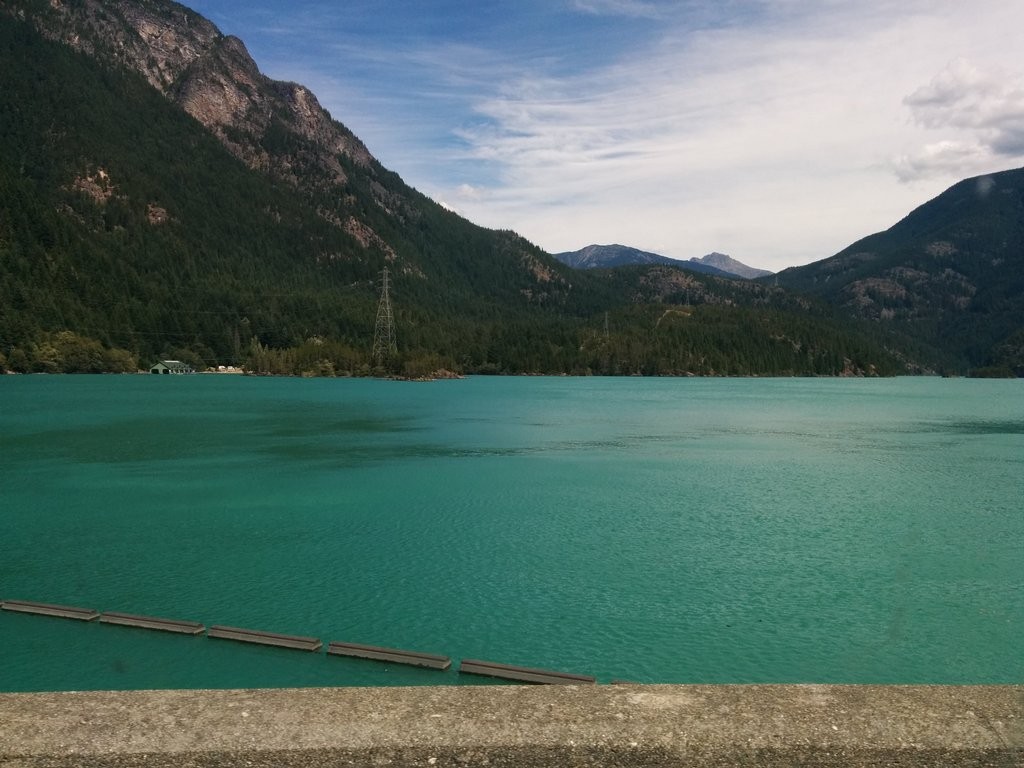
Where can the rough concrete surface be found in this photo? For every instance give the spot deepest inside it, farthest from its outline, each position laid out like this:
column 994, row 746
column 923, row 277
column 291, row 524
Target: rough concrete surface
column 512, row 726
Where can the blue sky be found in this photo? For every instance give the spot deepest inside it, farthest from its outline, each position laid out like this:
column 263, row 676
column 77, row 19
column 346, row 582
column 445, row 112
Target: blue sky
column 777, row 131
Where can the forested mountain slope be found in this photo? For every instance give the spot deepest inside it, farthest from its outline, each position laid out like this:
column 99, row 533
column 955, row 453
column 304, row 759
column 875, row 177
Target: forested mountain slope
column 127, row 221
column 949, row 276
column 142, row 215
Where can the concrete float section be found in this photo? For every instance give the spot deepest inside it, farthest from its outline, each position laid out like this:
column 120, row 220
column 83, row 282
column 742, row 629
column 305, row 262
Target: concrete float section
column 395, row 655
column 522, row 674
column 510, row 726
column 259, row 637
column 49, row 609
column 152, row 622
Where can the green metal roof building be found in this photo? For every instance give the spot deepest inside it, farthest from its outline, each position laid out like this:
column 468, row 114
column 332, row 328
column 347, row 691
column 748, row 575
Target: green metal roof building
column 171, row 366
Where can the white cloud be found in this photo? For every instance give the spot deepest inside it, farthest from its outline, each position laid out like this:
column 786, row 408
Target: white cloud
column 713, row 145
column 469, row 192
column 964, row 95
column 778, row 131
column 980, row 111
column 771, row 142
column 943, row 158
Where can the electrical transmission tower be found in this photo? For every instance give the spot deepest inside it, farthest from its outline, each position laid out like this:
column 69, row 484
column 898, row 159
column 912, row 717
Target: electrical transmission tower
column 384, row 343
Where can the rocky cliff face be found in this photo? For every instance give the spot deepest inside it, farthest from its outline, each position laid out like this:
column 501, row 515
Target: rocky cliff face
column 280, row 129
column 213, row 78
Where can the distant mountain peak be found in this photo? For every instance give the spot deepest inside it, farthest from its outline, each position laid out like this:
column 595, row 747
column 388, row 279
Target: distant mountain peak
column 730, row 265
column 608, row 256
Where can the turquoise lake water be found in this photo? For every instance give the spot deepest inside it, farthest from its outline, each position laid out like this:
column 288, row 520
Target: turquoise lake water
column 655, row 530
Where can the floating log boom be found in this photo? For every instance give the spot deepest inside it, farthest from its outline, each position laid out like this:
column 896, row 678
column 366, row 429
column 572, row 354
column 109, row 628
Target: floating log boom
column 150, row 622
column 48, row 609
column 412, row 658
column 523, row 674
column 265, row 638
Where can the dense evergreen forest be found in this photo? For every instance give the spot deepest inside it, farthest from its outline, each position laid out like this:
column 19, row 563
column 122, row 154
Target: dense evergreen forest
column 948, row 278
column 128, row 233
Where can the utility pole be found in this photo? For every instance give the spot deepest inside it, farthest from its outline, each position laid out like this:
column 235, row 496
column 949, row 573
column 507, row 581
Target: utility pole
column 384, row 343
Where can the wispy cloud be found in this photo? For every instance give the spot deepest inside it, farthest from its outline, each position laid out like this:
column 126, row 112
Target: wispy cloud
column 719, row 143
column 635, row 8
column 775, row 130
column 771, row 141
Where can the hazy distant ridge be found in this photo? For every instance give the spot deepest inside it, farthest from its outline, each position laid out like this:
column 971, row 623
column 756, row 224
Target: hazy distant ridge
column 730, row 265
column 608, row 256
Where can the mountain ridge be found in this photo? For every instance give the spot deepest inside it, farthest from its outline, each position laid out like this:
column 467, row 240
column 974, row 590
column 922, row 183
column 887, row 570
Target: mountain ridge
column 612, row 256
column 949, row 274
column 274, row 127
column 252, row 229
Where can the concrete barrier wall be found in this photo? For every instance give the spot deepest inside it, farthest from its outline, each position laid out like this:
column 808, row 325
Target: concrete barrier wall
column 512, row 726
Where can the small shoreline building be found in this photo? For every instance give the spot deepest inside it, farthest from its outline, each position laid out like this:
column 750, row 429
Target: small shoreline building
column 171, row 366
